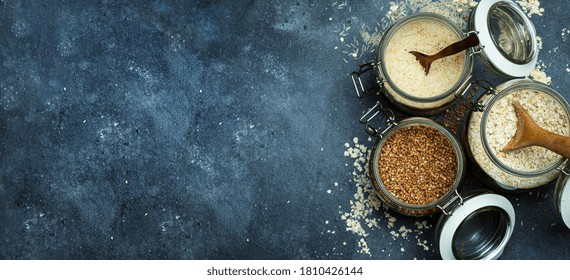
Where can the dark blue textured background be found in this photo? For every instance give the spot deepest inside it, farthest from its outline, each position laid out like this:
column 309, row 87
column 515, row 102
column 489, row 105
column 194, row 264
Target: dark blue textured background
column 201, row 130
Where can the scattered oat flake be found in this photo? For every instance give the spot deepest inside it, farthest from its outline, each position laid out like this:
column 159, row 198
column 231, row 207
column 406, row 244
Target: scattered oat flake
column 365, row 206
column 531, row 7
column 539, row 75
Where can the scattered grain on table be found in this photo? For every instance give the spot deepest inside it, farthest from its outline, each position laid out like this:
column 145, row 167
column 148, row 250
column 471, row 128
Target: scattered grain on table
column 366, row 212
column 531, row 7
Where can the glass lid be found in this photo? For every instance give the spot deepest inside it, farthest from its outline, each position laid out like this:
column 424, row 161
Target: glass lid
column 562, row 196
column 507, row 36
column 510, row 33
column 478, row 229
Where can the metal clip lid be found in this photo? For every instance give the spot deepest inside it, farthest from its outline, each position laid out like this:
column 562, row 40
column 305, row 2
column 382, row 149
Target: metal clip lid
column 477, row 49
column 357, row 81
column 448, row 207
column 479, row 106
column 565, row 168
column 372, row 113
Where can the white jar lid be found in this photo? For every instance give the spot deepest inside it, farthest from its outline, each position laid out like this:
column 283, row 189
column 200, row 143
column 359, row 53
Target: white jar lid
column 562, row 198
column 477, row 229
column 507, row 37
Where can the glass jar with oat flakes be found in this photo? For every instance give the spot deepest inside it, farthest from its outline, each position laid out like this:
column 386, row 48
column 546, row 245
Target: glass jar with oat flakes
column 507, row 47
column 493, row 123
column 417, row 167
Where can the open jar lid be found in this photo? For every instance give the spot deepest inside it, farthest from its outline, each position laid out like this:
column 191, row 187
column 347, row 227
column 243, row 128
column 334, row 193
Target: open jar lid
column 562, row 195
column 507, row 37
column 478, row 228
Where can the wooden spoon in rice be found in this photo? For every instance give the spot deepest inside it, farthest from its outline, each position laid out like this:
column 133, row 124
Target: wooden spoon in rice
column 426, row 60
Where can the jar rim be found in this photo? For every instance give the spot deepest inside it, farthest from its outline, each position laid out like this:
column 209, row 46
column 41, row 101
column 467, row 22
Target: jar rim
column 517, row 14
column 524, row 84
column 467, row 67
column 491, row 54
column 476, row 208
column 460, row 156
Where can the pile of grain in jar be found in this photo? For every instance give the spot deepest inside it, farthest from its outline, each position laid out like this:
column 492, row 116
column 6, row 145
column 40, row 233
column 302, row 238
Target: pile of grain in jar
column 418, row 165
column 501, row 126
column 427, row 36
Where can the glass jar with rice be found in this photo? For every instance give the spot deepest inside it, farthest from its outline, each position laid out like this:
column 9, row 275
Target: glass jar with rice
column 402, row 78
column 406, row 82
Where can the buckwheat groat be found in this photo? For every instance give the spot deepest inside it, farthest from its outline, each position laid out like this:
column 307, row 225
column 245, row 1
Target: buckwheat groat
column 418, row 165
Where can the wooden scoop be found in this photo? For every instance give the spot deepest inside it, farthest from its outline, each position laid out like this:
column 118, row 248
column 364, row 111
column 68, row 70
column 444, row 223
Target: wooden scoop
column 426, row 60
column 530, row 134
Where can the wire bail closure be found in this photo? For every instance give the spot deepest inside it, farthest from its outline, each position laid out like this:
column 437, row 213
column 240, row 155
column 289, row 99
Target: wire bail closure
column 357, row 81
column 565, row 168
column 452, row 202
column 479, row 106
column 477, row 49
column 372, row 113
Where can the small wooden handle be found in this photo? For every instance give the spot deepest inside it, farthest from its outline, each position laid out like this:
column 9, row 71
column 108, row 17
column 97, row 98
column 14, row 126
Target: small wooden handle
column 554, row 142
column 470, row 41
column 530, row 134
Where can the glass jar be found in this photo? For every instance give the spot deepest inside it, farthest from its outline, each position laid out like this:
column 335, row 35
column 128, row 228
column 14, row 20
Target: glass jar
column 404, row 80
column 507, row 47
column 476, row 225
column 390, row 199
column 494, row 122
column 401, row 77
